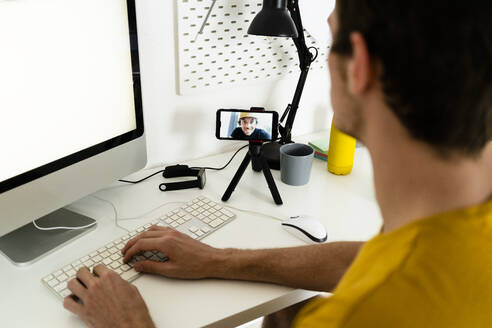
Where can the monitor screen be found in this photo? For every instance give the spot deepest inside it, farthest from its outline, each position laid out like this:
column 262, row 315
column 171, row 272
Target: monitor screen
column 68, row 90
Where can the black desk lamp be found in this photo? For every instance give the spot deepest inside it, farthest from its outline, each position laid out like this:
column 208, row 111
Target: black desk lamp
column 281, row 18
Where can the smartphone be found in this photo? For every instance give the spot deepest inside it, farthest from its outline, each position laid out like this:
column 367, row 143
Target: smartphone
column 251, row 125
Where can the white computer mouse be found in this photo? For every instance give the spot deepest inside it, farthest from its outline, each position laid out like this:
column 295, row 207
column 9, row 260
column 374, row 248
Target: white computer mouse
column 306, row 228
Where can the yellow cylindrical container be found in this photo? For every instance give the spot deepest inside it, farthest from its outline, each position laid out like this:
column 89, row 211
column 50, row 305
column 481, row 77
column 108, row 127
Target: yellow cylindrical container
column 341, row 152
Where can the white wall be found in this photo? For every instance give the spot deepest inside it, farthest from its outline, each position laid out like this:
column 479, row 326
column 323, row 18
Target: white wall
column 179, row 128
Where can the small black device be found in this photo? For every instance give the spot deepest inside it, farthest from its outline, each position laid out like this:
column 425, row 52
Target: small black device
column 183, row 171
column 255, row 125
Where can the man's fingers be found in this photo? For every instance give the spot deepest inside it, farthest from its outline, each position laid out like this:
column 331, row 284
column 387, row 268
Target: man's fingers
column 151, row 267
column 77, row 288
column 151, row 233
column 100, row 269
column 143, row 245
column 73, row 306
column 85, row 276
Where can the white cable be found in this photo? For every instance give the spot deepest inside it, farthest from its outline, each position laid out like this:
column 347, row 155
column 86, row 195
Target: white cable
column 134, row 218
column 62, row 228
column 115, row 212
column 254, row 212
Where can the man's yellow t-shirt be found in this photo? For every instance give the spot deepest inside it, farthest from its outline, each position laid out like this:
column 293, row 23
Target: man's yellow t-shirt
column 435, row 272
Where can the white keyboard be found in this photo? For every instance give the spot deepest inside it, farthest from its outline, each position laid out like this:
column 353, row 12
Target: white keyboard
column 197, row 218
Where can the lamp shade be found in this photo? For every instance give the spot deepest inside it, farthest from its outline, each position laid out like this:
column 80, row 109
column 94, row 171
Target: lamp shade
column 273, row 20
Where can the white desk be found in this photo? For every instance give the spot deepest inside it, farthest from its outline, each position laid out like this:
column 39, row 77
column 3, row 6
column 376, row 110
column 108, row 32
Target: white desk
column 345, row 205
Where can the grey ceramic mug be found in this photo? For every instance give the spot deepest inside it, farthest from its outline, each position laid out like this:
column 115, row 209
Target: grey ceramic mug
column 295, row 163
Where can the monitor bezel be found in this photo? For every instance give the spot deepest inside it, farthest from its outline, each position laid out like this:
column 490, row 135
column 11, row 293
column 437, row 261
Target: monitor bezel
column 79, row 156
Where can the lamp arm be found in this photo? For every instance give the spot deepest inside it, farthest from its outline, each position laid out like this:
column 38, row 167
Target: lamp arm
column 305, row 60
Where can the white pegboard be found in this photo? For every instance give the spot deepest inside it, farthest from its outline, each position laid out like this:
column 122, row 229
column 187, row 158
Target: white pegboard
column 224, row 55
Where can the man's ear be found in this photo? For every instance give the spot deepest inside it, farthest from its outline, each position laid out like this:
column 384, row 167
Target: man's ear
column 359, row 72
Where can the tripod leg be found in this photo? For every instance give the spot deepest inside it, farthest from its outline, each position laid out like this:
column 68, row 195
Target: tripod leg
column 237, row 177
column 270, row 181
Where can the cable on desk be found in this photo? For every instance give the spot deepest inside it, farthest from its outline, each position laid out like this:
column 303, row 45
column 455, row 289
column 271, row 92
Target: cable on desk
column 223, row 167
column 254, row 212
column 206, row 168
column 134, row 182
column 115, row 212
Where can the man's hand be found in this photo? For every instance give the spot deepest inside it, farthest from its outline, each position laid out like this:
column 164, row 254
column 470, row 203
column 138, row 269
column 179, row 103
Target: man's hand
column 188, row 258
column 106, row 300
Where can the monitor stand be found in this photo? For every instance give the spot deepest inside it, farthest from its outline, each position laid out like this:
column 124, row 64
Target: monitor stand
column 28, row 244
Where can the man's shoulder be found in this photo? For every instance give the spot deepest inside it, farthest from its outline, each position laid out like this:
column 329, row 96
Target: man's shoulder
column 426, row 274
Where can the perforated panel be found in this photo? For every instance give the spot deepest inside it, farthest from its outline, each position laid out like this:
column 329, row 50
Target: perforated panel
column 224, row 55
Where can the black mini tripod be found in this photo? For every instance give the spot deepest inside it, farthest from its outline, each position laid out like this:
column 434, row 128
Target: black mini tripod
column 255, row 155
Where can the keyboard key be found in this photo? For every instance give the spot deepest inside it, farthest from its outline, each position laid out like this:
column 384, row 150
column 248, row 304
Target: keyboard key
column 53, row 282
column 154, row 258
column 58, row 288
column 129, row 275
column 89, row 263
column 215, row 223
column 65, row 293
column 62, row 277
column 48, row 278
column 125, row 267
column 191, row 234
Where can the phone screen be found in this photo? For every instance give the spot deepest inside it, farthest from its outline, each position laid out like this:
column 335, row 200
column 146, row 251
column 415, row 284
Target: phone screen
column 247, row 125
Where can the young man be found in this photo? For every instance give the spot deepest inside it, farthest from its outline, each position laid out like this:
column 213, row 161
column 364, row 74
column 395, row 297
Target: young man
column 247, row 128
column 412, row 81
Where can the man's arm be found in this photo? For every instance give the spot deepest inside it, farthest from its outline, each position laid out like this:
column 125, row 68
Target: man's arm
column 314, row 267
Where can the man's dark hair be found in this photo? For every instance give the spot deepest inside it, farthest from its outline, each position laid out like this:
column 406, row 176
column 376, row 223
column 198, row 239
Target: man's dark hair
column 436, row 60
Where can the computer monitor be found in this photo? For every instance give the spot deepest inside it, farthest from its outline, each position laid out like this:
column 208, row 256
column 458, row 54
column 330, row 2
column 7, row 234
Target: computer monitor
column 70, row 112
